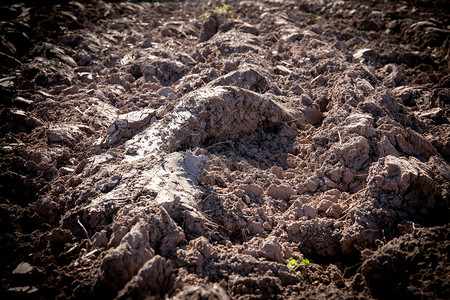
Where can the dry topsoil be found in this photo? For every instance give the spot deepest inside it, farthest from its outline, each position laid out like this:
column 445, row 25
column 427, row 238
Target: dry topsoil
column 190, row 150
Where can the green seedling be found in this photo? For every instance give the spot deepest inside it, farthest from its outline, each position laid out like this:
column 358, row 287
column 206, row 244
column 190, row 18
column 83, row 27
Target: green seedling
column 224, row 10
column 221, row 10
column 360, row 27
column 295, row 264
column 317, row 17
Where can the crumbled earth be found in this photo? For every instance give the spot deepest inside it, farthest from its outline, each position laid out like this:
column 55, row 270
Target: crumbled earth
column 189, row 150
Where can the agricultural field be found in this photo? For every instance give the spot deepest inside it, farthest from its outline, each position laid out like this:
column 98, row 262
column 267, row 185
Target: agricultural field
column 225, row 150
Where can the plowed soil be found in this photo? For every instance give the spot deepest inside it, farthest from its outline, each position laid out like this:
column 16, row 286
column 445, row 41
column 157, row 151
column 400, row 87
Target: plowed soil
column 190, row 150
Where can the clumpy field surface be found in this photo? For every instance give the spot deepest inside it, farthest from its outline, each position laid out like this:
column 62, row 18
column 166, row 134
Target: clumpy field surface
column 190, row 150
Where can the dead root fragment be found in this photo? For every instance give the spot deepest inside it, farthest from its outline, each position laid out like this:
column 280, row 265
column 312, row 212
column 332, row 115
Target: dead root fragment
column 84, row 228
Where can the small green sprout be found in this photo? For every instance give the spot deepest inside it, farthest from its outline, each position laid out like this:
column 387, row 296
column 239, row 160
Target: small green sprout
column 317, row 17
column 221, row 10
column 294, row 264
column 224, row 10
column 360, row 27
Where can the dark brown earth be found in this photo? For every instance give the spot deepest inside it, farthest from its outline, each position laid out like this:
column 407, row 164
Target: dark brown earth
column 189, row 151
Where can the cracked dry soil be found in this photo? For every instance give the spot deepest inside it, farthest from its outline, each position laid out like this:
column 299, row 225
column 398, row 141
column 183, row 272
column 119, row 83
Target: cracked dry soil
column 147, row 152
